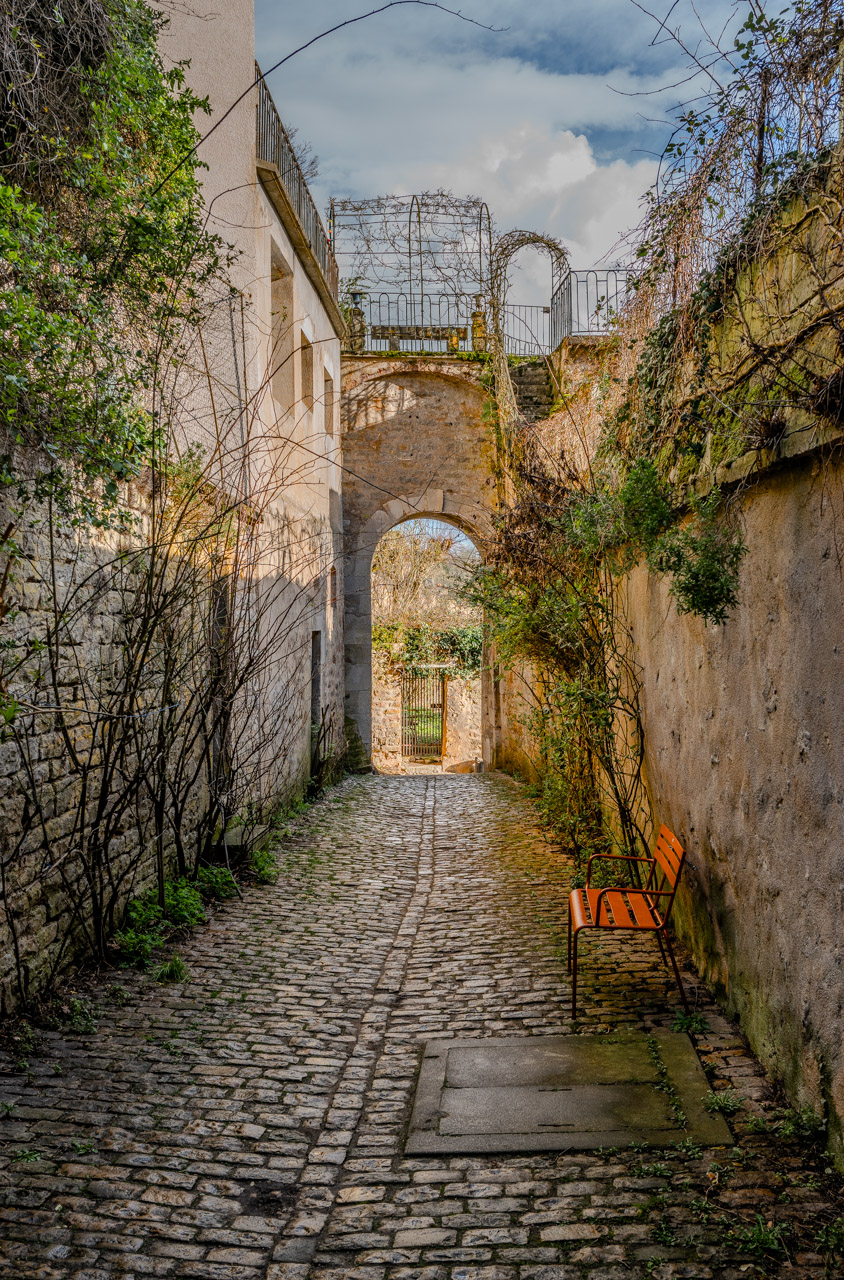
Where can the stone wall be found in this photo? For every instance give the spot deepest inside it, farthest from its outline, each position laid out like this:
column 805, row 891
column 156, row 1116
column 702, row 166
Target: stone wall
column 266, row 418
column 76, row 810
column 416, row 442
column 743, row 727
column 75, row 847
column 463, row 724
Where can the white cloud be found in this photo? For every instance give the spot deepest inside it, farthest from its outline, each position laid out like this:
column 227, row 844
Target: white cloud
column 543, row 179
column 414, row 99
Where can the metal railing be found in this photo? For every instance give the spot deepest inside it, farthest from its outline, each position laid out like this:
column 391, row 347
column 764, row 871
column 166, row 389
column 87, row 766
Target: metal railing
column 585, row 302
column 527, row 330
column 412, row 322
column 441, row 323
column 273, row 146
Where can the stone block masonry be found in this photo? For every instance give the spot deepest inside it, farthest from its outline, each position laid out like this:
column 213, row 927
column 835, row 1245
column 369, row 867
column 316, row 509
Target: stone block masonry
column 416, row 442
column 249, row 1124
column 463, row 722
column 743, row 760
column 78, row 833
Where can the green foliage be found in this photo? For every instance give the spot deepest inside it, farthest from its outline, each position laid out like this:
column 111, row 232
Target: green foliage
column 726, row 1103
column 765, row 1239
column 264, row 865
column 694, row 1023
column 102, row 262
column 663, row 1233
column 146, row 926
column 802, row 1123
column 830, row 1240
column 183, row 905
column 215, row 884
column 413, row 647
column 704, row 559
column 172, row 970
column 20, row 1037
column 689, row 1148
column 81, row 1017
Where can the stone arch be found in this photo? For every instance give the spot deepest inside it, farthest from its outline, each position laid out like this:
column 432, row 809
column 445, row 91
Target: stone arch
column 473, row 520
column 416, row 443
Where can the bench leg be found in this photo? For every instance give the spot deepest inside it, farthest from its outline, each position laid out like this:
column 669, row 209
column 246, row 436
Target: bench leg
column 661, row 949
column 676, row 971
column 574, row 976
column 568, row 948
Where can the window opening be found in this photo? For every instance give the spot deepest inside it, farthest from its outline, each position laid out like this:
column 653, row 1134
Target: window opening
column 328, row 402
column 307, row 370
column 281, row 356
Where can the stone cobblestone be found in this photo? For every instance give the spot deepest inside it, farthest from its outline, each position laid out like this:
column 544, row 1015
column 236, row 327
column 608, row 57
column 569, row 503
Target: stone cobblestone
column 248, row 1124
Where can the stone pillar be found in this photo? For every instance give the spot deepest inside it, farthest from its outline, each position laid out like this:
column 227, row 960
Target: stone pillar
column 480, row 337
column 357, row 331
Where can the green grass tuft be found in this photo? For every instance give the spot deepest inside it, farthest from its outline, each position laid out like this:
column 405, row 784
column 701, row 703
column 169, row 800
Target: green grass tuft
column 726, row 1103
column 172, row 970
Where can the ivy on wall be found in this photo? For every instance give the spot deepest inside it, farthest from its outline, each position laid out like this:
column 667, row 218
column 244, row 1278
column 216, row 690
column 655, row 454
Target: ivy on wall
column 410, row 648
column 730, row 339
column 102, row 260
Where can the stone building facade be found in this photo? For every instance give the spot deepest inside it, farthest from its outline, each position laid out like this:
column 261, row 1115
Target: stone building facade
column 416, row 443
column 290, row 327
column 258, row 404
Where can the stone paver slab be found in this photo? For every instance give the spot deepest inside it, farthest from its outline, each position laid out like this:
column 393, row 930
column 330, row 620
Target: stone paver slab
column 559, row 1093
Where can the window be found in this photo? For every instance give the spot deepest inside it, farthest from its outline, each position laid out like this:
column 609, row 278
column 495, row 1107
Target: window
column 328, row 402
column 332, row 585
column 281, row 355
column 307, row 369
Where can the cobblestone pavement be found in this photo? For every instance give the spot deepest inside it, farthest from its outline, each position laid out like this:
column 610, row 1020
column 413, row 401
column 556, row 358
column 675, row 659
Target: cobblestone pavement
column 248, row 1123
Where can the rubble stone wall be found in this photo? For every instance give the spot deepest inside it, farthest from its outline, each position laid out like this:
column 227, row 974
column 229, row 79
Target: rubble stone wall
column 463, row 721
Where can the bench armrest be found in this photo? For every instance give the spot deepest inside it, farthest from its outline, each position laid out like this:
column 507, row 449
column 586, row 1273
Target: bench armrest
column 613, row 857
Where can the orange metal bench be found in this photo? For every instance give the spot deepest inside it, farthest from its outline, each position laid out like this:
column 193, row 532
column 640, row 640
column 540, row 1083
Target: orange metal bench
column 646, row 908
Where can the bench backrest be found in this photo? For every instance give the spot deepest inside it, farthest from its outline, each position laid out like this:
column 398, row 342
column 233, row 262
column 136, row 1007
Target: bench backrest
column 668, row 858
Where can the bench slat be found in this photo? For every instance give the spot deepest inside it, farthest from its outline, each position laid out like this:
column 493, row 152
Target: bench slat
column 668, row 853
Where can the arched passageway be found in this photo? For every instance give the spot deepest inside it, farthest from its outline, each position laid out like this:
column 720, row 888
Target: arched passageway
column 416, row 443
column 427, row 650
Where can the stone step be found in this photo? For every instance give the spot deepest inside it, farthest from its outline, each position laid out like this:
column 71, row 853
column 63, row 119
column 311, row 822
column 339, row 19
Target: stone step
column 533, row 389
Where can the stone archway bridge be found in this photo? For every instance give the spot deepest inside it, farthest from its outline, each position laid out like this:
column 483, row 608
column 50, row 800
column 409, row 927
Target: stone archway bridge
column 416, row 442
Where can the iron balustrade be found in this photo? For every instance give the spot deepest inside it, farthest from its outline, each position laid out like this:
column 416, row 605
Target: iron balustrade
column 527, row 330
column 273, row 146
column 585, row 302
column 442, row 323
column 423, row 714
column 422, row 323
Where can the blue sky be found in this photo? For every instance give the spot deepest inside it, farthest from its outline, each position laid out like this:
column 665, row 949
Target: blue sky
column 557, row 121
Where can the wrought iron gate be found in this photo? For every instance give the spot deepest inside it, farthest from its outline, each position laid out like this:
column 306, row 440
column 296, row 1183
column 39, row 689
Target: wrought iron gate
column 423, row 715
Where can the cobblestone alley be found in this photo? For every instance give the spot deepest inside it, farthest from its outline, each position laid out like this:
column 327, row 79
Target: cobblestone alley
column 249, row 1122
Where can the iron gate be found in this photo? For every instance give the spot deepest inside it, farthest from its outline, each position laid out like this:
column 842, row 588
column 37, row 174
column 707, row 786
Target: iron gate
column 423, row 715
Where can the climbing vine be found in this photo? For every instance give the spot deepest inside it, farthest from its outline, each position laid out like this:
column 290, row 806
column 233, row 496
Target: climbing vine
column 410, row 648
column 101, row 265
column 729, row 344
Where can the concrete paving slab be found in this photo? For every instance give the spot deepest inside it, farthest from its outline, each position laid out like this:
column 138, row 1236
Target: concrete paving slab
column 551, row 1093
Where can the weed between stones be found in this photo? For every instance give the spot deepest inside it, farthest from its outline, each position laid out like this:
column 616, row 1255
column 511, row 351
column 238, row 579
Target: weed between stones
column 664, row 1085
